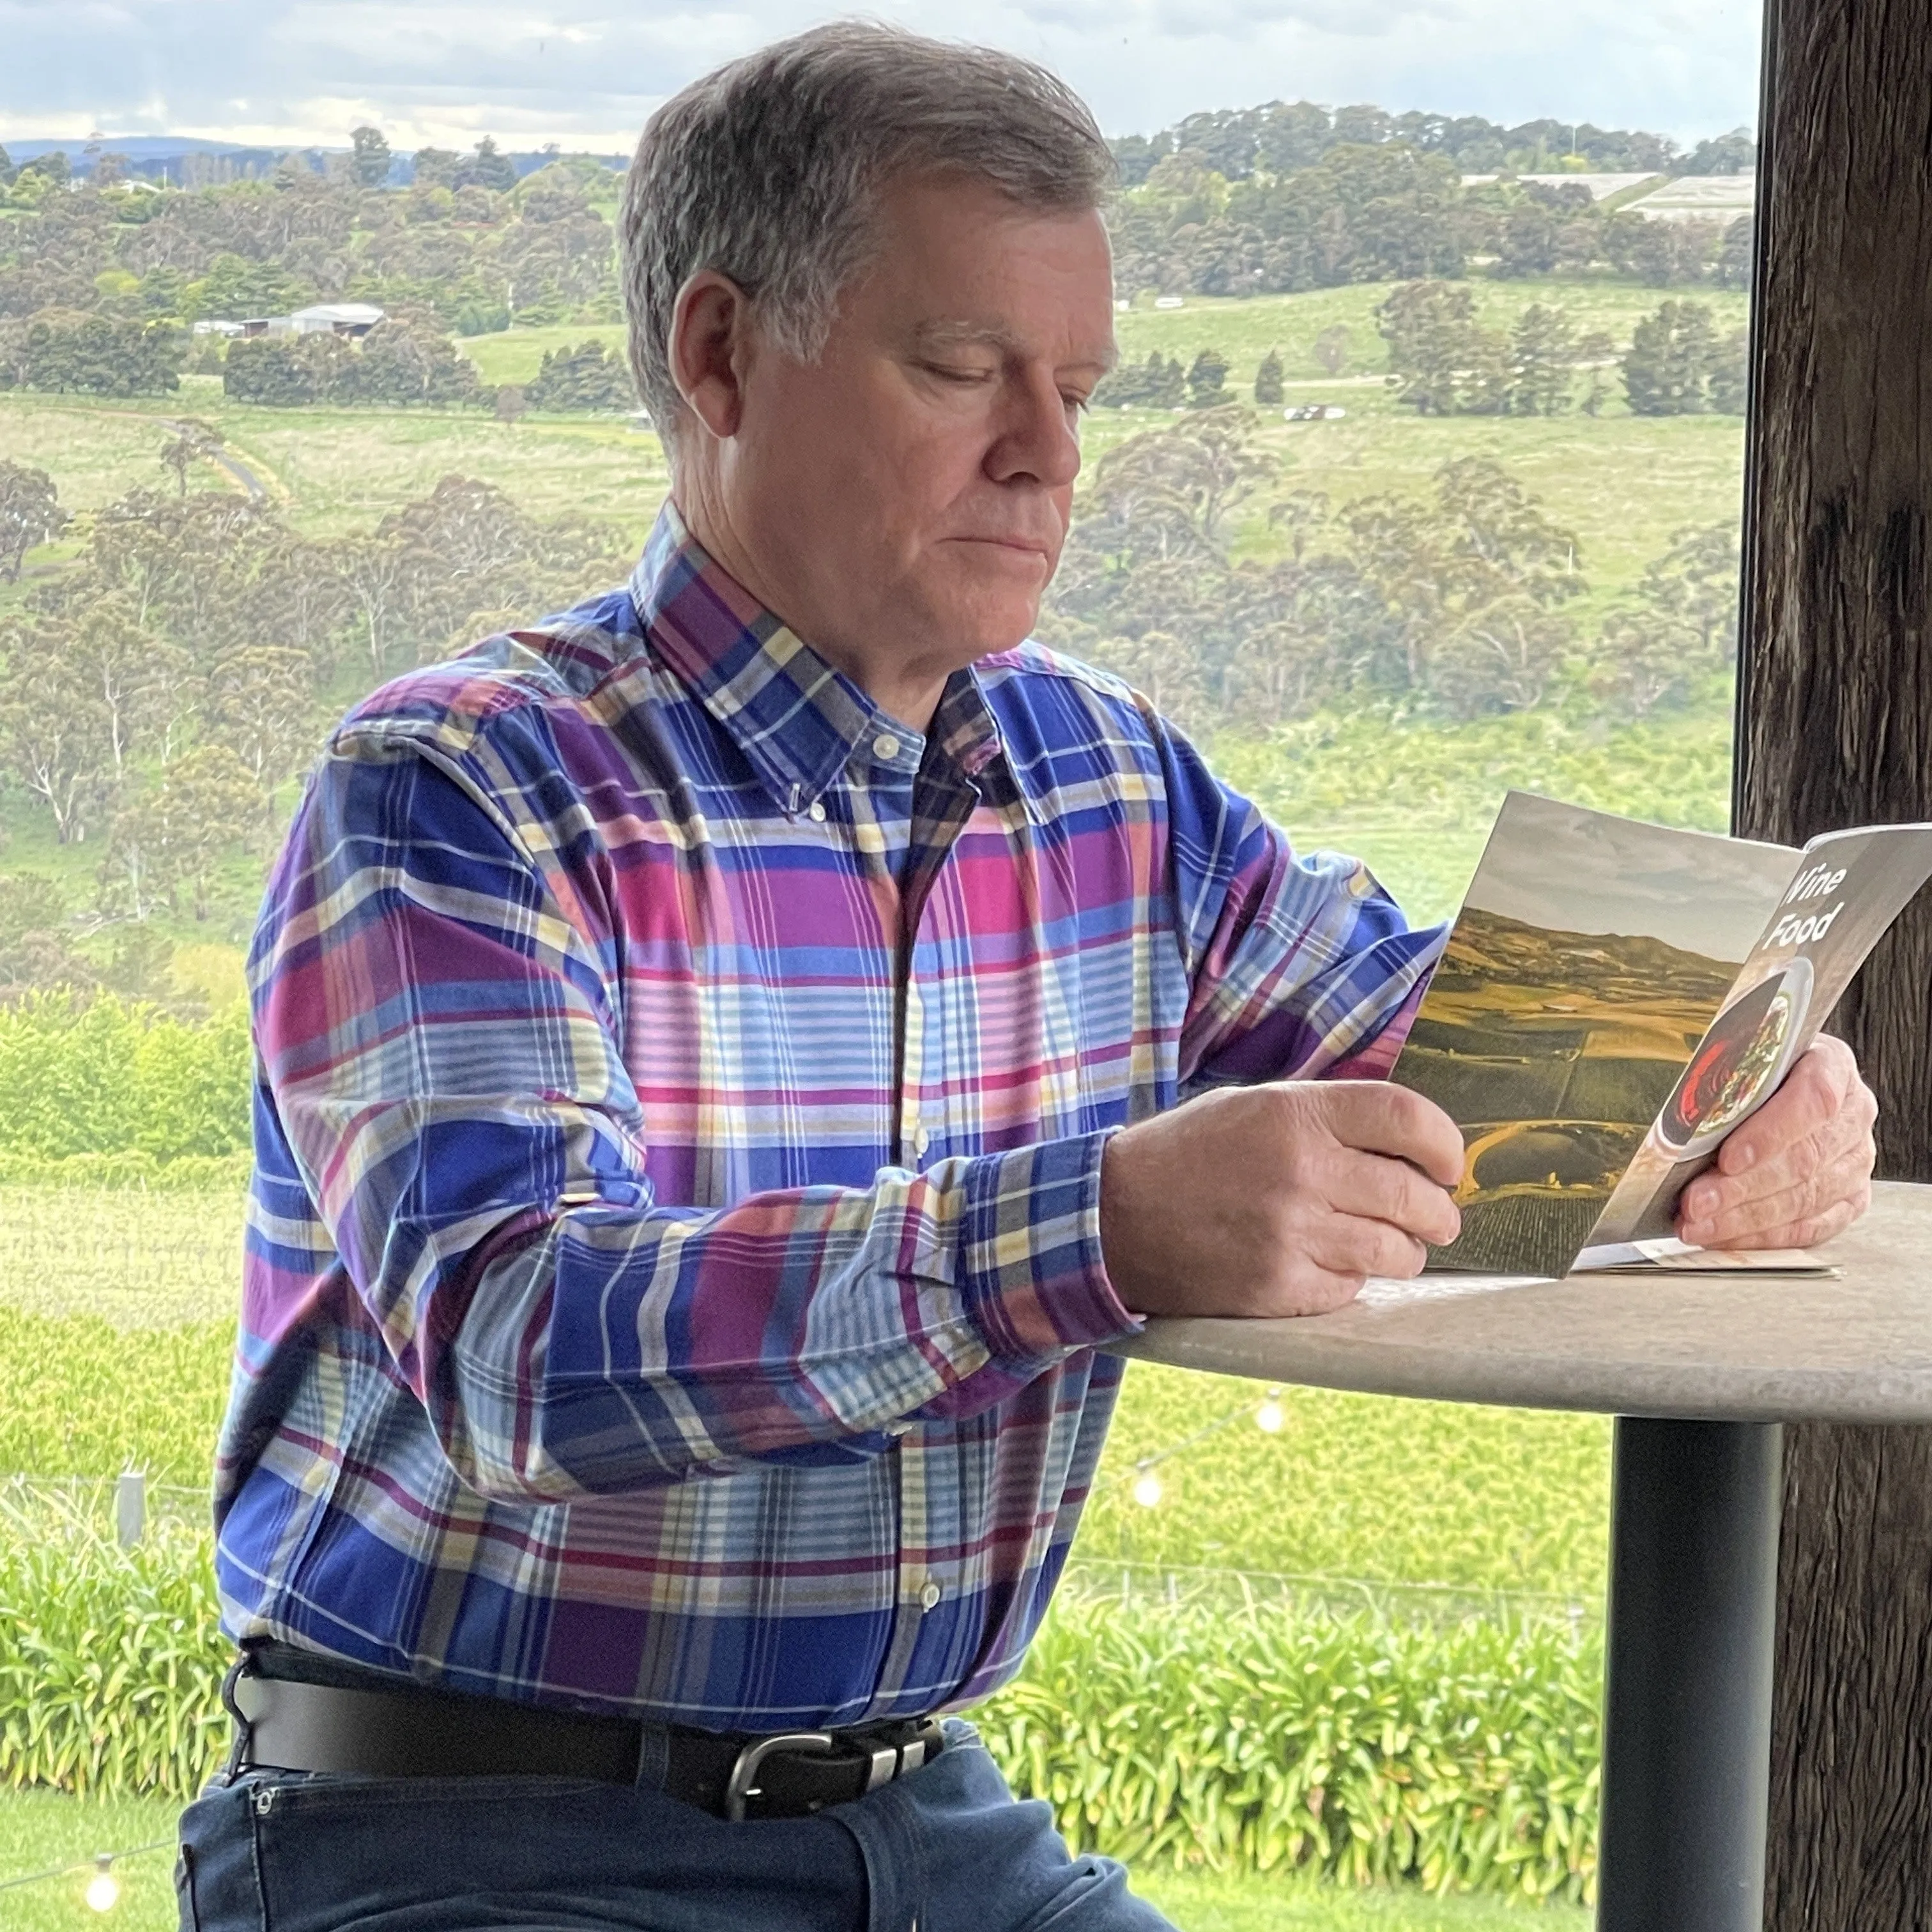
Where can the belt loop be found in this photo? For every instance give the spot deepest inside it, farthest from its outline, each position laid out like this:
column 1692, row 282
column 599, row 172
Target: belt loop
column 653, row 1755
column 239, row 1752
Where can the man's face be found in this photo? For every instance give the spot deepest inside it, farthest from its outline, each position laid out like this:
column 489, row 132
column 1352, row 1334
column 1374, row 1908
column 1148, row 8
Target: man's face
column 905, row 496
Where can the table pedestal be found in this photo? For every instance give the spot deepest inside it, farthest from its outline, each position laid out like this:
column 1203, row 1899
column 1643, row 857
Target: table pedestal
column 1687, row 1735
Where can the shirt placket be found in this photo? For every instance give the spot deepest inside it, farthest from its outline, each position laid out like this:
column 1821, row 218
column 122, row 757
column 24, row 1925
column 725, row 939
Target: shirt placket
column 942, row 801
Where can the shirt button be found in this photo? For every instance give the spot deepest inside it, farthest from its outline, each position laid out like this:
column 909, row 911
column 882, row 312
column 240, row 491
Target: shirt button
column 921, row 1141
column 929, row 1597
column 885, row 745
column 815, row 811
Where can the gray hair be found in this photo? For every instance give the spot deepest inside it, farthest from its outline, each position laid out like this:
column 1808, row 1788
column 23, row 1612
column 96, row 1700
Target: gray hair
column 769, row 170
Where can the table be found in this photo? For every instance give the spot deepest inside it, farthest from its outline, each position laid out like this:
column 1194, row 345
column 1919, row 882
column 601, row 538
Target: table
column 1700, row 1371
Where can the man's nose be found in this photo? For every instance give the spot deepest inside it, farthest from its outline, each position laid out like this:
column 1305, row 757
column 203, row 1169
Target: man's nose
column 1038, row 439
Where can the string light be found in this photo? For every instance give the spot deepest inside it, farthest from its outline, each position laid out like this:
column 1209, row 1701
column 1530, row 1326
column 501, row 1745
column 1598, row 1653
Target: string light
column 1269, row 1417
column 103, row 1888
column 1148, row 1491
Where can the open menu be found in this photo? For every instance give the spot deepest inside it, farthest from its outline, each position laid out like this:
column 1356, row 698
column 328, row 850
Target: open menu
column 1615, row 999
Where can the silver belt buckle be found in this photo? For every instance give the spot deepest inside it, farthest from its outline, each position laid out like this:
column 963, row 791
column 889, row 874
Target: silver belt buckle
column 739, row 1787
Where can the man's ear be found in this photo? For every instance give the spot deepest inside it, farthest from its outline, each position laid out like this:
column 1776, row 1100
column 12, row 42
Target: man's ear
column 710, row 349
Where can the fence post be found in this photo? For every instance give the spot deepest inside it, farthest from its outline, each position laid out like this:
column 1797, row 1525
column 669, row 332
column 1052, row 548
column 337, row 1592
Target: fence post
column 131, row 1508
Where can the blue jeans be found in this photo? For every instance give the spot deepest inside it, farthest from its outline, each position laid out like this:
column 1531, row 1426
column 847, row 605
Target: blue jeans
column 946, row 1849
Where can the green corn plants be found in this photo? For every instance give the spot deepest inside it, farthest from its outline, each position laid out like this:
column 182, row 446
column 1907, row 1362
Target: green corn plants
column 1463, row 1757
column 110, row 1660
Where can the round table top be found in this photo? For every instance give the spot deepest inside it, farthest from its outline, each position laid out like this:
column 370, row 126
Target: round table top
column 1735, row 1347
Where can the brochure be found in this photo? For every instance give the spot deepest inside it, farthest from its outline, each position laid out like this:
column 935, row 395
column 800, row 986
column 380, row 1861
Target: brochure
column 1615, row 999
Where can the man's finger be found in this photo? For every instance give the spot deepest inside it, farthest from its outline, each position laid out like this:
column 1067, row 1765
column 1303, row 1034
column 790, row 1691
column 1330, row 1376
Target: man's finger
column 1813, row 1093
column 1351, row 1244
column 1809, row 1232
column 1388, row 1190
column 1378, row 1117
column 1752, row 1222
column 1843, row 1141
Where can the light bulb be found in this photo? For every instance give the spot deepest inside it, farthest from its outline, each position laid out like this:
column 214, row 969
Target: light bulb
column 1269, row 1417
column 103, row 1888
column 1146, row 1488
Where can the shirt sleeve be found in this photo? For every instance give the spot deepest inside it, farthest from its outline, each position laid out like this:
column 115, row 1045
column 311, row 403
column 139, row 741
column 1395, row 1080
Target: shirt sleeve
column 439, row 1029
column 1299, row 968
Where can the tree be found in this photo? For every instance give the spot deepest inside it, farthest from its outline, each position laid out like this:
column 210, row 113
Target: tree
column 1331, row 348
column 175, row 835
column 1445, row 362
column 511, row 403
column 435, row 167
column 1268, row 389
column 1206, row 380
column 105, row 645
column 486, row 168
column 95, row 355
column 1164, row 670
column 1667, row 368
column 30, row 514
column 370, row 164
column 1543, row 353
column 587, row 377
column 193, row 441
column 375, row 570
column 54, row 730
column 261, row 707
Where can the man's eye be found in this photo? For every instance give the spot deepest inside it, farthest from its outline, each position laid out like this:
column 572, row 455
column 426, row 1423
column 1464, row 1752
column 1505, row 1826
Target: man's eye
column 957, row 372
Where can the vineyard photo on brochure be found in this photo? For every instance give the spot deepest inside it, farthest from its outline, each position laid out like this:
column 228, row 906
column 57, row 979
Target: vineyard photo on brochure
column 438, row 861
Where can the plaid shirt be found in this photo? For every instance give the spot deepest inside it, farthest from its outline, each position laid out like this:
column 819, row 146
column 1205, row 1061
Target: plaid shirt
column 673, row 1275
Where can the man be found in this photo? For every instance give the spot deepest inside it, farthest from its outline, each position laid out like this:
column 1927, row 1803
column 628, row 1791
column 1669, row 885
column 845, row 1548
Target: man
column 729, row 1055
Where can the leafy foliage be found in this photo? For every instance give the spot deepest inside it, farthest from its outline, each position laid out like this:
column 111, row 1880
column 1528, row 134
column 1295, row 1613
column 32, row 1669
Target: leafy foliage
column 30, row 513
column 94, row 355
column 101, row 1075
column 1464, row 1757
column 398, row 364
column 587, row 377
column 110, row 1660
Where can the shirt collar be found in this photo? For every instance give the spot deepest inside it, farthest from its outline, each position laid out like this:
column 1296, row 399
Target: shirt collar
column 796, row 719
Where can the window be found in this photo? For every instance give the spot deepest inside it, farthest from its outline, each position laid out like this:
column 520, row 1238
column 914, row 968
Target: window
column 1419, row 477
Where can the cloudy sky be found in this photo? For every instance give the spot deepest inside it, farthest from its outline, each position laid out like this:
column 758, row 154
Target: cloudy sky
column 1572, row 871
column 586, row 72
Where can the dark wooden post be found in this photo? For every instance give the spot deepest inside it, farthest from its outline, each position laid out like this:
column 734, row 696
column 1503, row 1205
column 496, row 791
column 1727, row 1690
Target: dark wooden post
column 1835, row 728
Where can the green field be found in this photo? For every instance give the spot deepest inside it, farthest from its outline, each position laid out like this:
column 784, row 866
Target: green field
column 1244, row 328
column 1625, row 484
column 42, row 1830
column 1481, row 1501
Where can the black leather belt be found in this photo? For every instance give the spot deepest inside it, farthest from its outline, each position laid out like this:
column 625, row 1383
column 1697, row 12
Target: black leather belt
column 294, row 1710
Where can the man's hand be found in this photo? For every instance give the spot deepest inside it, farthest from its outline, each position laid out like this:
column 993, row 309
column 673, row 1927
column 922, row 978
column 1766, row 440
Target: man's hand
column 1277, row 1200
column 1799, row 1170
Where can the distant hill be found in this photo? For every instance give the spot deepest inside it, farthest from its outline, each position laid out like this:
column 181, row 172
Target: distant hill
column 179, row 158
column 1615, row 967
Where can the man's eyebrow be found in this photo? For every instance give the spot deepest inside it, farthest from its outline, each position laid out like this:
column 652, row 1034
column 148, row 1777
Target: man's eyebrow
column 936, row 337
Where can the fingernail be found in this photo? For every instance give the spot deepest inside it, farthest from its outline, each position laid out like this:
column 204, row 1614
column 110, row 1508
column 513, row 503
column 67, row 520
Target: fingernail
column 1745, row 1155
column 1697, row 1233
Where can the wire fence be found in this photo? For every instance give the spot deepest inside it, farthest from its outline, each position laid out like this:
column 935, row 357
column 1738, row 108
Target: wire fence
column 129, row 1508
column 1387, row 1599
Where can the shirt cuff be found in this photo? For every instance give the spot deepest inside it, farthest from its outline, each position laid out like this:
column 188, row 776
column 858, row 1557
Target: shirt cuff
column 1034, row 1279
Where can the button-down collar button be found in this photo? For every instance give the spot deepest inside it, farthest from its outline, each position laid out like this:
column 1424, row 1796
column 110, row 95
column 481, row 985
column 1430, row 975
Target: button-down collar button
column 815, row 811
column 885, row 745
column 929, row 1597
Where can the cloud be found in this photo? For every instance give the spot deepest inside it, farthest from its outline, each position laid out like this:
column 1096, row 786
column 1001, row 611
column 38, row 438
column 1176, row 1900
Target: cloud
column 586, row 72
